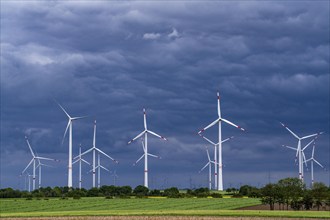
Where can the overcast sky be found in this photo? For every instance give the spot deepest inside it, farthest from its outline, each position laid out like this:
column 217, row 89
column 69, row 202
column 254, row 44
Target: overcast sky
column 268, row 59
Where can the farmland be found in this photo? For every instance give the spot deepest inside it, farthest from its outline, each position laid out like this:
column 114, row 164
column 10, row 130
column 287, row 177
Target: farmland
column 137, row 207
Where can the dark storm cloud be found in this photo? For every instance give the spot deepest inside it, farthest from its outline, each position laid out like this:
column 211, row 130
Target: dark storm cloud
column 108, row 60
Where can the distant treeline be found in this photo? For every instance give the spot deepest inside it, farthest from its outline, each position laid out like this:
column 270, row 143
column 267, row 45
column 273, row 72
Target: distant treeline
column 289, row 192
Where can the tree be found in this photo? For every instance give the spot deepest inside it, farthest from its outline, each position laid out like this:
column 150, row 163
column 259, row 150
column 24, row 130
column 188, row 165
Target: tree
column 319, row 193
column 292, row 189
column 268, row 193
column 308, row 199
column 141, row 191
column 172, row 192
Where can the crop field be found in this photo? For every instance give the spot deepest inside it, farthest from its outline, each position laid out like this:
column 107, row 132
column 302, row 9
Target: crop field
column 137, row 207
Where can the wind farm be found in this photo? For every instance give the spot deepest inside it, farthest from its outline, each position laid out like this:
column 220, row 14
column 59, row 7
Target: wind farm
column 165, row 110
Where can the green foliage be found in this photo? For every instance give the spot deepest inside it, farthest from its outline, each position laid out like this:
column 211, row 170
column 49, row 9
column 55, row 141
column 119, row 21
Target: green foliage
column 307, row 200
column 9, row 193
column 216, row 195
column 320, row 194
column 249, row 191
column 141, row 191
column 155, row 192
column 172, row 192
column 269, row 195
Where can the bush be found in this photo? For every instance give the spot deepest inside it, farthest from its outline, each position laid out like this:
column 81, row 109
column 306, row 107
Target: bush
column 140, row 191
column 172, row 192
column 216, row 195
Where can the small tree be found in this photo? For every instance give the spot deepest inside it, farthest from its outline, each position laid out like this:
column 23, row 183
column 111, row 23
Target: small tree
column 268, row 193
column 319, row 193
column 172, row 192
column 308, row 200
column 140, row 191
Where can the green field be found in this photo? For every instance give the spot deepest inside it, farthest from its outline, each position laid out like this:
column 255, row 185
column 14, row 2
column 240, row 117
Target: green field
column 150, row 206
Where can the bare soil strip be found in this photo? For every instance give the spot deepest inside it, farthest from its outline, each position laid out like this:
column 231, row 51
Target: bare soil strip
column 156, row 218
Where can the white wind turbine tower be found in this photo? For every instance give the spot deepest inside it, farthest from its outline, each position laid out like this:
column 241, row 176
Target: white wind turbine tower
column 299, row 150
column 215, row 157
column 145, row 154
column 33, row 161
column 94, row 149
column 80, row 159
column 70, row 120
column 39, row 167
column 99, row 167
column 209, row 163
column 219, row 120
column 28, row 176
column 145, row 133
column 115, row 176
column 312, row 160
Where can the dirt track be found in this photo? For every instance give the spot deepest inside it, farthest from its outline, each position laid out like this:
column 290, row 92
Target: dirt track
column 156, row 218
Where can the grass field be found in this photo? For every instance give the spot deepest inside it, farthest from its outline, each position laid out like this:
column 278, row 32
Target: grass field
column 135, row 207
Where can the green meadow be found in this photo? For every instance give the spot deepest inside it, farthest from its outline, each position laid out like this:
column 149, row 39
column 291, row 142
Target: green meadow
column 156, row 206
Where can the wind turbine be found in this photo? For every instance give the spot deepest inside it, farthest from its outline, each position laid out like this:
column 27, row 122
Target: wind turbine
column 312, row 160
column 115, row 176
column 39, row 167
column 299, row 151
column 145, row 148
column 70, row 120
column 219, row 120
column 215, row 157
column 80, row 159
column 33, row 161
column 209, row 163
column 94, row 149
column 99, row 167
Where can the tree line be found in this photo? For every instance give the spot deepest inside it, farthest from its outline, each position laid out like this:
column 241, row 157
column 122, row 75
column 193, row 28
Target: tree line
column 286, row 193
column 106, row 191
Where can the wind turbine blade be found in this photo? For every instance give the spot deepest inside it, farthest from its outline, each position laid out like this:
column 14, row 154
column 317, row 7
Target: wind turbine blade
column 45, row 158
column 139, row 135
column 208, row 155
column 214, row 162
column 144, row 150
column 104, row 168
column 46, row 165
column 106, row 155
column 85, row 161
column 219, row 113
column 75, row 118
column 313, row 150
column 63, row 109
column 318, row 163
column 289, row 130
column 210, row 125
column 227, row 139
column 145, row 119
column 66, row 129
column 86, row 152
column 157, row 135
column 304, row 158
column 28, row 143
column 28, row 165
column 232, row 124
column 312, row 135
column 292, row 148
column 138, row 160
column 152, row 155
column 309, row 143
column 309, row 160
column 204, row 167
column 208, row 140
